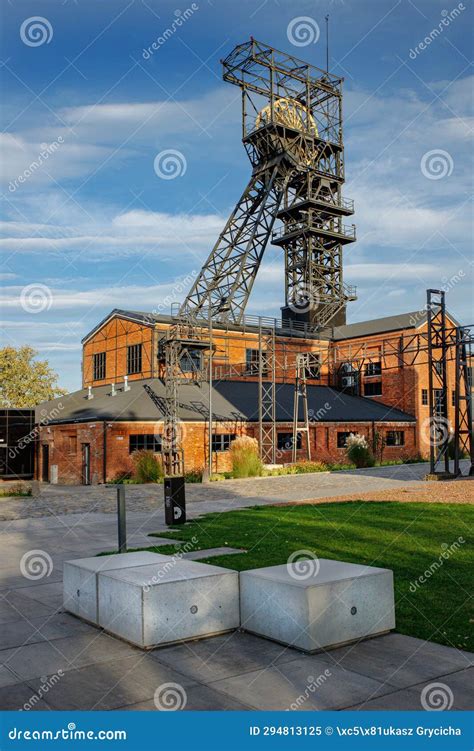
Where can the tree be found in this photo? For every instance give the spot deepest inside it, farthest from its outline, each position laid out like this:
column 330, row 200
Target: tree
column 25, row 382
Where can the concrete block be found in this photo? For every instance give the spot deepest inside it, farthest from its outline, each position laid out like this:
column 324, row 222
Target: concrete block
column 80, row 579
column 332, row 603
column 168, row 602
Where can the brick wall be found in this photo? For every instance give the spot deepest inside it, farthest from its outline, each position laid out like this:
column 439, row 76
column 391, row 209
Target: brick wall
column 66, row 445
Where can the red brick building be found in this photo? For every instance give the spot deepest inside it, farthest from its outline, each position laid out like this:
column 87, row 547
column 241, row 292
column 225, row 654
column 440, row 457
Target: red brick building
column 367, row 378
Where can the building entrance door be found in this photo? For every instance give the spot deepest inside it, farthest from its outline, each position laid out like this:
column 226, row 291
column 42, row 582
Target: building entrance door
column 45, row 462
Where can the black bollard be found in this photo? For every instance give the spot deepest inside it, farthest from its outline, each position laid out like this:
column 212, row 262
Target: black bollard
column 175, row 501
column 122, row 522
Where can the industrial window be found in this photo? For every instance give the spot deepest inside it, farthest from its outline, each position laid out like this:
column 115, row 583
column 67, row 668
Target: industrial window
column 438, row 366
column 222, row 441
column 148, row 442
column 252, row 359
column 424, row 396
column 373, row 369
column 342, row 437
column 395, row 438
column 99, row 366
column 313, row 369
column 285, row 441
column 453, row 398
column 191, row 361
column 438, row 401
column 134, row 359
column 373, row 389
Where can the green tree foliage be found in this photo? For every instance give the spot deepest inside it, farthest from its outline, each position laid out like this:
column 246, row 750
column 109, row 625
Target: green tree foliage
column 25, row 381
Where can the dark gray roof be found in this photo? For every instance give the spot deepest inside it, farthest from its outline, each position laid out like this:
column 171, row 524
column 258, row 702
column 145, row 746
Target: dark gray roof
column 380, row 325
column 232, row 401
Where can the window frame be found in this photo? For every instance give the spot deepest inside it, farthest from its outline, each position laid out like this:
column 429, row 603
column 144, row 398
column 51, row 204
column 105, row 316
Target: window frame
column 190, row 361
column 288, row 445
column 368, row 366
column 345, row 433
column 151, row 442
column 372, row 385
column 424, row 397
column 394, row 433
column 221, row 442
column 134, row 358
column 252, row 361
column 99, row 365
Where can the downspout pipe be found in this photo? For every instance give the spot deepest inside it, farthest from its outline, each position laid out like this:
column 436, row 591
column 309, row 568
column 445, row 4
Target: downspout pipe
column 104, row 452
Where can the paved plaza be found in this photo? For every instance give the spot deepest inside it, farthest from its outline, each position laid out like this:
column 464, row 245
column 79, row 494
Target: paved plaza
column 52, row 660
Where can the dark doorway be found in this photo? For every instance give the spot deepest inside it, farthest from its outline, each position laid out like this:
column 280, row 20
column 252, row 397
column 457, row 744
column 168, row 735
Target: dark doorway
column 45, row 462
column 86, row 464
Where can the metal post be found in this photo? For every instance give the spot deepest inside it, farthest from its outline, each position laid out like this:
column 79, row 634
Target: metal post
column 430, row 381
column 210, row 390
column 122, row 523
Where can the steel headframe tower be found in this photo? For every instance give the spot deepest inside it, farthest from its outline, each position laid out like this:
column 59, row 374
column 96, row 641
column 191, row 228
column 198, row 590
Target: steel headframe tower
column 292, row 132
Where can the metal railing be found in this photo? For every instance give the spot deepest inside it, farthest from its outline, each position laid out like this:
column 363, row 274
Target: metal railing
column 343, row 203
column 334, row 228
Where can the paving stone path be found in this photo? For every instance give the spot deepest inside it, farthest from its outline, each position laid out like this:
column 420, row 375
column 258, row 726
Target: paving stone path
column 57, row 500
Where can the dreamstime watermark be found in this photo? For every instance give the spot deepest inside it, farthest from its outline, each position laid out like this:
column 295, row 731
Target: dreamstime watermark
column 33, row 435
column 436, row 430
column 303, row 30
column 167, row 566
column 436, row 164
column 175, row 294
column 45, row 685
column 180, row 18
column 447, row 17
column 311, row 687
column 170, row 697
column 47, row 149
column 303, row 564
column 170, row 163
column 36, row 564
column 319, row 414
column 303, row 298
column 35, row 31
column 436, row 697
column 433, row 568
column 36, row 298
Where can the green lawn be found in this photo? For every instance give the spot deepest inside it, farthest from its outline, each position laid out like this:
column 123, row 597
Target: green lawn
column 408, row 538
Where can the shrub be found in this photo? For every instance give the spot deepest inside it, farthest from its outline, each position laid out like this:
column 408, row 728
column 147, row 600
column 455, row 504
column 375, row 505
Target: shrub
column 147, row 468
column 358, row 451
column 245, row 459
column 303, row 467
column 119, row 478
column 194, row 475
column 18, row 489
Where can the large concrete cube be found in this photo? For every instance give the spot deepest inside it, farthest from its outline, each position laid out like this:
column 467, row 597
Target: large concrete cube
column 168, row 602
column 80, row 579
column 325, row 604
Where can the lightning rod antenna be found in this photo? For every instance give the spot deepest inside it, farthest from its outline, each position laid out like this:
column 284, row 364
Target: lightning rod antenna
column 327, row 44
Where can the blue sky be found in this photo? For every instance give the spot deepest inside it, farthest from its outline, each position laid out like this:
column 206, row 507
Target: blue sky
column 94, row 227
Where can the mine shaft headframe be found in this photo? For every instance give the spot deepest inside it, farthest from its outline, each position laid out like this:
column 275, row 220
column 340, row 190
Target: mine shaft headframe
column 268, row 76
column 292, row 121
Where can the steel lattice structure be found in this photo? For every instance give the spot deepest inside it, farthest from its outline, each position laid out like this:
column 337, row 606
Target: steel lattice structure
column 292, row 132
